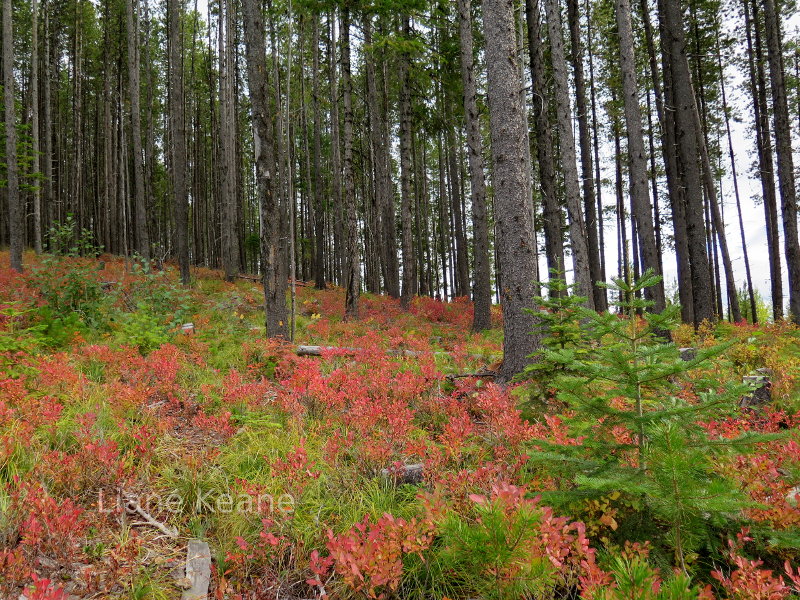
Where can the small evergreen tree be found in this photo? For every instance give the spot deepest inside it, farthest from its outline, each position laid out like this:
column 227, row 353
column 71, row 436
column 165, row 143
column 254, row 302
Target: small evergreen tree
column 640, row 436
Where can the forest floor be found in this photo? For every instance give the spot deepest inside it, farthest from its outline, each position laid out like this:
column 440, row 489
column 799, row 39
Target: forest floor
column 358, row 473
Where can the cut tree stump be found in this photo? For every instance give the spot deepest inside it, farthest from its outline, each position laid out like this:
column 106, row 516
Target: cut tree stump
column 198, row 570
column 688, row 354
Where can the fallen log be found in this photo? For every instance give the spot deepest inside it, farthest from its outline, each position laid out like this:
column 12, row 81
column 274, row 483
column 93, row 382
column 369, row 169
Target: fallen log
column 405, row 474
column 319, row 350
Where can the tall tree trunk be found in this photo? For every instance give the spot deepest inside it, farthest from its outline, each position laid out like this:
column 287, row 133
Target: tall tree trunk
column 689, row 157
column 406, row 192
column 16, row 216
column 336, row 161
column 47, row 154
column 783, row 146
column 551, row 211
column 512, row 186
column 319, row 206
column 139, row 208
column 353, row 271
column 732, row 156
column 481, row 293
column 383, row 183
column 637, row 161
column 577, row 227
column 459, row 237
column 37, row 192
column 587, row 175
column 269, row 208
column 227, row 168
column 178, row 137
column 765, row 161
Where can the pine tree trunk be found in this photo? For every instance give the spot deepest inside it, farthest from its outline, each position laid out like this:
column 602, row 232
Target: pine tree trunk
column 406, row 191
column 269, row 209
column 226, row 163
column 336, row 161
column 459, row 237
column 47, row 154
column 512, row 186
column 577, row 227
column 16, row 216
column 140, row 210
column 383, row 182
column 551, row 210
column 783, row 147
column 34, row 85
column 637, row 161
column 353, row 270
column 689, row 157
column 587, row 175
column 319, row 206
column 732, row 156
column 765, row 161
column 481, row 293
column 178, row 135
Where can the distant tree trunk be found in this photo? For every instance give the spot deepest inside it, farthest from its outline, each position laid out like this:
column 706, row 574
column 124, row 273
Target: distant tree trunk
column 637, row 161
column 353, row 270
column 587, row 176
column 732, row 156
column 552, row 216
column 689, row 156
column 319, row 206
column 512, row 186
column 459, row 237
column 336, row 160
column 37, row 192
column 178, row 137
column 482, row 293
column 269, row 208
column 16, row 216
column 406, row 191
column 765, row 161
column 783, row 143
column 227, row 143
column 383, row 183
column 139, row 208
column 47, row 154
column 577, row 227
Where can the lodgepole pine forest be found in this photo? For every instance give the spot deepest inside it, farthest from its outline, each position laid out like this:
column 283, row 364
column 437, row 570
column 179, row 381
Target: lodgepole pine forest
column 399, row 300
column 365, row 144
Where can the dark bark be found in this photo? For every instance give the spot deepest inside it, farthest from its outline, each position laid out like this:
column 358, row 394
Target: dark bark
column 269, row 209
column 139, row 208
column 406, row 191
column 512, row 186
column 765, row 161
column 637, row 161
column 577, row 227
column 353, row 267
column 16, row 216
column 585, row 142
column 178, row 138
column 551, row 211
column 689, row 157
column 783, row 147
column 481, row 291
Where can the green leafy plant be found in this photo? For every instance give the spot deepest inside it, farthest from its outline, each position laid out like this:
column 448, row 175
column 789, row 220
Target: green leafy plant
column 144, row 330
column 68, row 284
